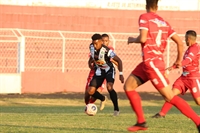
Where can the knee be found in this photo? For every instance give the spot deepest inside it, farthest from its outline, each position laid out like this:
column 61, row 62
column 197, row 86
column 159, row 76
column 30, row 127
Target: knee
column 109, row 86
column 91, row 91
column 198, row 101
column 129, row 87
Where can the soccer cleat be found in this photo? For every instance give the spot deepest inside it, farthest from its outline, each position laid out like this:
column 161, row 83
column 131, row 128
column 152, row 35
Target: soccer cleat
column 116, row 113
column 158, row 116
column 137, row 127
column 102, row 103
column 198, row 127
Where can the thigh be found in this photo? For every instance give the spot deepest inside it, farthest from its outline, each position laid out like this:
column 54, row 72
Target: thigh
column 140, row 73
column 90, row 76
column 96, row 81
column 110, row 75
column 180, row 85
column 155, row 72
column 194, row 86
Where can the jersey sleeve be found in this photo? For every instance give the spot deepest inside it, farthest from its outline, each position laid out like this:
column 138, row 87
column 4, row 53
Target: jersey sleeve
column 171, row 31
column 143, row 22
column 111, row 53
column 111, row 48
column 192, row 53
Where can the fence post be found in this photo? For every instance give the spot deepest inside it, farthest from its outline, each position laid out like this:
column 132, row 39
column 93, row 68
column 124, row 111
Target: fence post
column 21, row 55
column 63, row 52
column 114, row 41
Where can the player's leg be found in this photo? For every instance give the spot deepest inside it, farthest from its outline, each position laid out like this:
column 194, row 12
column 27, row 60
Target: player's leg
column 131, row 83
column 87, row 97
column 110, row 78
column 178, row 88
column 95, row 83
column 161, row 82
column 194, row 87
column 100, row 89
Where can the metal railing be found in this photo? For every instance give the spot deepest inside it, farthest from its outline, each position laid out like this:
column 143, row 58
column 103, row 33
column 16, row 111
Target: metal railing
column 60, row 51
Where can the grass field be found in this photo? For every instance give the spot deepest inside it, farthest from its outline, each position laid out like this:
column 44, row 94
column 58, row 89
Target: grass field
column 32, row 115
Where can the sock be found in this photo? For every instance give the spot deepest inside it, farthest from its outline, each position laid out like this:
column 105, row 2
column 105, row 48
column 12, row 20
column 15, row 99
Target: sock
column 86, row 101
column 113, row 97
column 182, row 105
column 165, row 108
column 92, row 100
column 97, row 95
column 136, row 105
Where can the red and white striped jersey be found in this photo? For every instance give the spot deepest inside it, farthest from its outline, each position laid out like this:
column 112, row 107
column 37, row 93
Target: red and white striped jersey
column 190, row 62
column 158, row 33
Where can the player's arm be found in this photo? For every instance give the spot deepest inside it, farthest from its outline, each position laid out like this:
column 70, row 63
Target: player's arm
column 190, row 56
column 90, row 62
column 114, row 62
column 179, row 44
column 141, row 38
column 143, row 26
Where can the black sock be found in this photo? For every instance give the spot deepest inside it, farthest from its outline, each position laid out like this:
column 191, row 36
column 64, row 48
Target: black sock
column 97, row 95
column 113, row 97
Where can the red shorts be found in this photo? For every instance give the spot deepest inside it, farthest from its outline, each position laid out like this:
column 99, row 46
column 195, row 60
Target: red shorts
column 154, row 71
column 90, row 76
column 183, row 85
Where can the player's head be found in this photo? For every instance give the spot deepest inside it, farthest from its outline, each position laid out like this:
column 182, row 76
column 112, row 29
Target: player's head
column 151, row 5
column 97, row 41
column 190, row 37
column 105, row 39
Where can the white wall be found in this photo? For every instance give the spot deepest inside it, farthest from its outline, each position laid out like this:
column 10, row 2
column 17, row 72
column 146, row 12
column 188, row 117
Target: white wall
column 10, row 83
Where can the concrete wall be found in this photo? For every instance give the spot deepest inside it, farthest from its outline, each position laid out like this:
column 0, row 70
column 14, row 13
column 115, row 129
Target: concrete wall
column 77, row 19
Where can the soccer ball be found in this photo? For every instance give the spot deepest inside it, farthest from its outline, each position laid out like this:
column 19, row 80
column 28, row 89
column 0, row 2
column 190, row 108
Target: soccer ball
column 91, row 109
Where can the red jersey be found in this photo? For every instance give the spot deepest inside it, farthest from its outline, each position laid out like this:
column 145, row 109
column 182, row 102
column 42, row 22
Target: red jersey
column 158, row 32
column 190, row 62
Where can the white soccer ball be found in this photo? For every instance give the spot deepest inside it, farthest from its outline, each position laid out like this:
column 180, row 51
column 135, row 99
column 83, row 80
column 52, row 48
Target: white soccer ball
column 91, row 109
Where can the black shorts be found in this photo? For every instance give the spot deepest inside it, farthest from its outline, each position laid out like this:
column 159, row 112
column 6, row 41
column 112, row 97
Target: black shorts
column 97, row 80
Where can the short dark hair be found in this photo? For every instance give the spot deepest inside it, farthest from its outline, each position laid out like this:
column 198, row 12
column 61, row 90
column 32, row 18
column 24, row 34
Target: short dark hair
column 96, row 37
column 191, row 33
column 105, row 35
column 151, row 4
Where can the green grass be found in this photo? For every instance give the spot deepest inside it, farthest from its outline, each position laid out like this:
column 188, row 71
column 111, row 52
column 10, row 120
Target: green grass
column 23, row 115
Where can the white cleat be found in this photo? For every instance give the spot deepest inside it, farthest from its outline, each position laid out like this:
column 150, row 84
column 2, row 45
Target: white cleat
column 116, row 113
column 102, row 103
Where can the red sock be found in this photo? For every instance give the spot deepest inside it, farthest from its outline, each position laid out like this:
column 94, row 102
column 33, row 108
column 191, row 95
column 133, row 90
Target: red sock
column 92, row 100
column 165, row 108
column 136, row 105
column 182, row 105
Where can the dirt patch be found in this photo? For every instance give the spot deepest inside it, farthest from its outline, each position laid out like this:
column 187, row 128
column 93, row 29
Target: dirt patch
column 72, row 95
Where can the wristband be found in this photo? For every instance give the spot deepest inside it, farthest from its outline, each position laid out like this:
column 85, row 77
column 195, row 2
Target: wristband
column 120, row 73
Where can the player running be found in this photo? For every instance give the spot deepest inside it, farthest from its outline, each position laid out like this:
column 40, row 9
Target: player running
column 190, row 78
column 154, row 32
column 104, row 69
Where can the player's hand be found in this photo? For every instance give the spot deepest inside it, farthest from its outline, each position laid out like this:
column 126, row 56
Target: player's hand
column 171, row 68
column 121, row 78
column 177, row 64
column 91, row 66
column 130, row 40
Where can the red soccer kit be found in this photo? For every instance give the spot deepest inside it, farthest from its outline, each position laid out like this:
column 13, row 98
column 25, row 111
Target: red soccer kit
column 190, row 78
column 91, row 74
column 153, row 67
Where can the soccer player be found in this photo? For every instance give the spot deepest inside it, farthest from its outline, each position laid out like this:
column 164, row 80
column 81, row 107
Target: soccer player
column 153, row 35
column 190, row 78
column 88, row 98
column 105, row 69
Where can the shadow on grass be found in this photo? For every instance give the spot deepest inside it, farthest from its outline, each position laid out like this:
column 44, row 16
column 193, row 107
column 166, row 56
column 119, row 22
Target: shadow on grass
column 74, row 129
